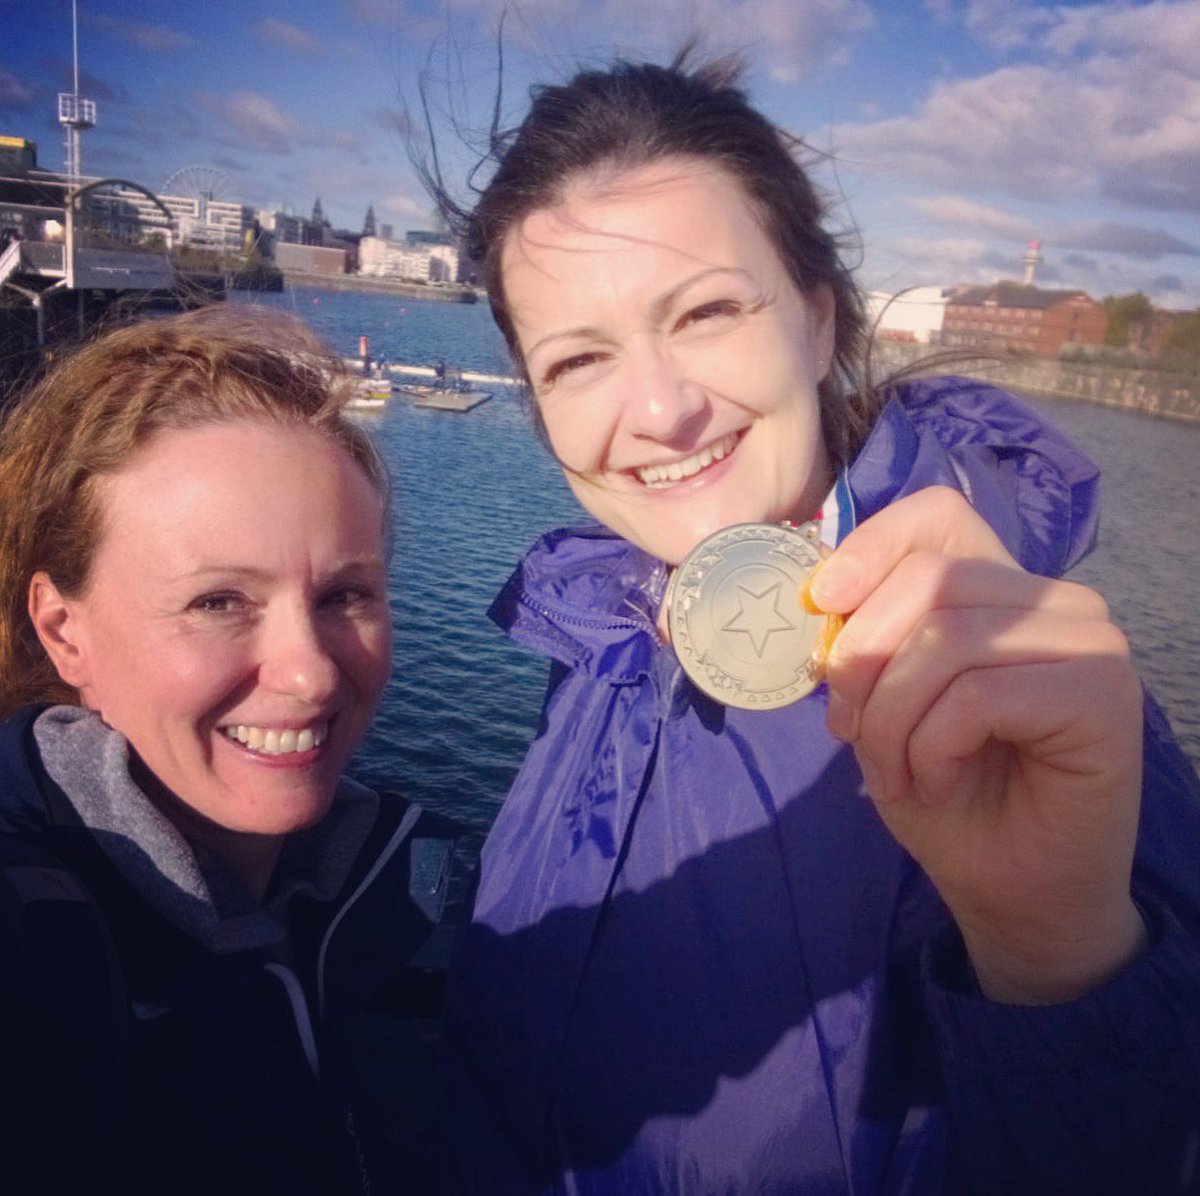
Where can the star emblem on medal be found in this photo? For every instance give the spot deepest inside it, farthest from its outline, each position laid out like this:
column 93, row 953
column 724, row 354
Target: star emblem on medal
column 758, row 615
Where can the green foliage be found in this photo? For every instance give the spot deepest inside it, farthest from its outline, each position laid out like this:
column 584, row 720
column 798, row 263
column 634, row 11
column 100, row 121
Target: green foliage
column 1126, row 313
column 1185, row 334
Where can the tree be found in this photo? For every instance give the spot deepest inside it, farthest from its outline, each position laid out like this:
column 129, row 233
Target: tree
column 1129, row 319
column 1185, row 334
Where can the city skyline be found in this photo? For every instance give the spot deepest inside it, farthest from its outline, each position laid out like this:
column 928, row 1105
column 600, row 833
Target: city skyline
column 950, row 133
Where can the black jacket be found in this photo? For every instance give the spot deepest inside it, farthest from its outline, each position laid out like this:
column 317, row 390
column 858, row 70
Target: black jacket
column 311, row 1070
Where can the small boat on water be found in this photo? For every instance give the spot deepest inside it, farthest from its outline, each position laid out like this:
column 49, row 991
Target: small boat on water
column 370, row 394
column 445, row 398
column 447, row 392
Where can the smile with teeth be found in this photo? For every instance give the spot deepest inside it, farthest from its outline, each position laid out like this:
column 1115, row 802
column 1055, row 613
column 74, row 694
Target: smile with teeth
column 676, row 471
column 271, row 742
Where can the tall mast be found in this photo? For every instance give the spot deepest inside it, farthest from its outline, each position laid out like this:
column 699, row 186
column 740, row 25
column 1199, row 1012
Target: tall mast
column 74, row 112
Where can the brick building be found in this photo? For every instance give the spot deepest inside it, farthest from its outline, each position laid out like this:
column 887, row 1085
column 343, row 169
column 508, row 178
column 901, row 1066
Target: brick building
column 1010, row 317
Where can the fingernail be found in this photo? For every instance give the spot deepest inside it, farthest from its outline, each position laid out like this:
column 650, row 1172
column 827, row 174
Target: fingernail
column 843, row 721
column 806, row 591
column 833, row 586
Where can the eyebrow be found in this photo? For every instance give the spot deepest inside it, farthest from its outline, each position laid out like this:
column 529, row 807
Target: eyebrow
column 660, row 306
column 253, row 573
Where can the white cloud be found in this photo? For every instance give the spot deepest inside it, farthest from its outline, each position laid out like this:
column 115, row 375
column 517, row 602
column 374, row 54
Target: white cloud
column 1128, row 239
column 789, row 37
column 13, row 92
column 1108, row 128
column 1005, row 25
column 291, row 37
column 403, row 206
column 257, row 120
column 156, row 39
column 954, row 209
column 1164, row 34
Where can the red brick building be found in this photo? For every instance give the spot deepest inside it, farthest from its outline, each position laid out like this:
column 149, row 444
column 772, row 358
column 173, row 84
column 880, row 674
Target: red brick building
column 1010, row 317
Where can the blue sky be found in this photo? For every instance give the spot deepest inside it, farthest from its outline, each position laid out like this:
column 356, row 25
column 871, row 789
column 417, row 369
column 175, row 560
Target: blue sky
column 957, row 130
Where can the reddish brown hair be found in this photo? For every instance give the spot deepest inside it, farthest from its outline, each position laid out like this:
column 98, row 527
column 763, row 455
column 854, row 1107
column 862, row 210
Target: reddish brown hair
column 91, row 413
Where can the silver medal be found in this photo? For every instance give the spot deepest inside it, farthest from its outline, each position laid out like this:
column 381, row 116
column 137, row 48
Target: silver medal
column 735, row 616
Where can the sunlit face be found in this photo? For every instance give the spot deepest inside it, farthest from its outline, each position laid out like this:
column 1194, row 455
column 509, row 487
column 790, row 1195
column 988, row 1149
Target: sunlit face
column 235, row 628
column 675, row 363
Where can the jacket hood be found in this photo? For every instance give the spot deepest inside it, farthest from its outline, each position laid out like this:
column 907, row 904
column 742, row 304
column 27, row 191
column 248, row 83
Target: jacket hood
column 586, row 598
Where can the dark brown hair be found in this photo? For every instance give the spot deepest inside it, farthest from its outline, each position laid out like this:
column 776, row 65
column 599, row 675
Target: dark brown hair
column 93, row 411
column 632, row 114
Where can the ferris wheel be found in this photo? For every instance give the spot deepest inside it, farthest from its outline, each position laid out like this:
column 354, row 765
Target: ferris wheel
column 199, row 182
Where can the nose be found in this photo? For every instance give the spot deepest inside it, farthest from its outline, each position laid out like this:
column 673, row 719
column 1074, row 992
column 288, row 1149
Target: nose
column 665, row 403
column 295, row 661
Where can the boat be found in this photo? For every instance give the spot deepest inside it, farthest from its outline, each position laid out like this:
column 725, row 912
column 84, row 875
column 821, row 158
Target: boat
column 370, row 394
column 445, row 398
column 447, row 392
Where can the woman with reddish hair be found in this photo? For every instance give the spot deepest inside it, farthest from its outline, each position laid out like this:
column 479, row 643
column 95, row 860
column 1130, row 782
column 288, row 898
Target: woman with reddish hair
column 209, row 933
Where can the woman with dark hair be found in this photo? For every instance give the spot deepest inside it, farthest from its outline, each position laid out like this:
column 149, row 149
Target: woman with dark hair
column 739, row 930
column 209, row 938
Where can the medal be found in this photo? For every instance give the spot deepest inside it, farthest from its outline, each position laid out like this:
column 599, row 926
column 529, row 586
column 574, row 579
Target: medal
column 736, row 619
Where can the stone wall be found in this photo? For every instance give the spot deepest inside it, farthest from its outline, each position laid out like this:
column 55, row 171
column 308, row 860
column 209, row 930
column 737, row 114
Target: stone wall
column 1151, row 392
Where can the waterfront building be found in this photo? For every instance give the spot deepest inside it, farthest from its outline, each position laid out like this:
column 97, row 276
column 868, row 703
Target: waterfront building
column 310, row 259
column 318, row 225
column 1012, row 317
column 17, row 153
column 913, row 316
column 72, row 251
column 420, row 257
column 199, row 221
column 280, row 228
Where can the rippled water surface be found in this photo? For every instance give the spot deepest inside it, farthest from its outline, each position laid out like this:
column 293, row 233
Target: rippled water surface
column 474, row 490
column 1147, row 562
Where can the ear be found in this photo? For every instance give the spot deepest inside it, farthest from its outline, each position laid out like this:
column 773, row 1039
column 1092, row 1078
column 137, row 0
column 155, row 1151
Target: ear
column 823, row 309
column 58, row 622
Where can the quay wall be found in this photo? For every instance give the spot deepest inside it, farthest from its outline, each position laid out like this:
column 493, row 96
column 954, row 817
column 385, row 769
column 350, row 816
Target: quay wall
column 444, row 293
column 1148, row 392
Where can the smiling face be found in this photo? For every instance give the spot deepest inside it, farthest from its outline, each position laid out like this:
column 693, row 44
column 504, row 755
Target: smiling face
column 235, row 627
column 674, row 361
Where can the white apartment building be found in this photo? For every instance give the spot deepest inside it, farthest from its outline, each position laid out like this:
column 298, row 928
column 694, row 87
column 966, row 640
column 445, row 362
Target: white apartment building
column 382, row 258
column 283, row 227
column 205, row 223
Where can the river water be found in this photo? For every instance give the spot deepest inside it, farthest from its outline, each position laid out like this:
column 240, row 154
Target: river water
column 474, row 490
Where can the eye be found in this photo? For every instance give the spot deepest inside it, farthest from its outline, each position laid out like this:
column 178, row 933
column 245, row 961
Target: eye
column 349, row 597
column 225, row 602
column 709, row 311
column 569, row 365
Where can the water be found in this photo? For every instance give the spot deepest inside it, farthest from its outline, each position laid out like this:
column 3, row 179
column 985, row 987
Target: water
column 1147, row 563
column 475, row 490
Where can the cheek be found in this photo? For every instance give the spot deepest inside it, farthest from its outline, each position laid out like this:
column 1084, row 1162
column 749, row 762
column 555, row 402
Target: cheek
column 366, row 657
column 172, row 671
column 579, row 432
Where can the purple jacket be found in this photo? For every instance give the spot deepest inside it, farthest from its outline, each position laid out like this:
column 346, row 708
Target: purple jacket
column 700, row 964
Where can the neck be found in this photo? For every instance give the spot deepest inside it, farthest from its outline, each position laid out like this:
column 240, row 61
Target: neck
column 251, row 858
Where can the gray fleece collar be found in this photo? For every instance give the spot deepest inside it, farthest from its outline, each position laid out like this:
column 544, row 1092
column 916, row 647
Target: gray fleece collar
column 190, row 887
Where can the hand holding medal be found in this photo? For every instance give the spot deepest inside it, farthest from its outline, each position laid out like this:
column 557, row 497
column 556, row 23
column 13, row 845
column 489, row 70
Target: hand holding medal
column 994, row 715
column 997, row 721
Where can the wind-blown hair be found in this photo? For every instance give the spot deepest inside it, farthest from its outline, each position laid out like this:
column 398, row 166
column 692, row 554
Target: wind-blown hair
column 633, row 114
column 94, row 411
